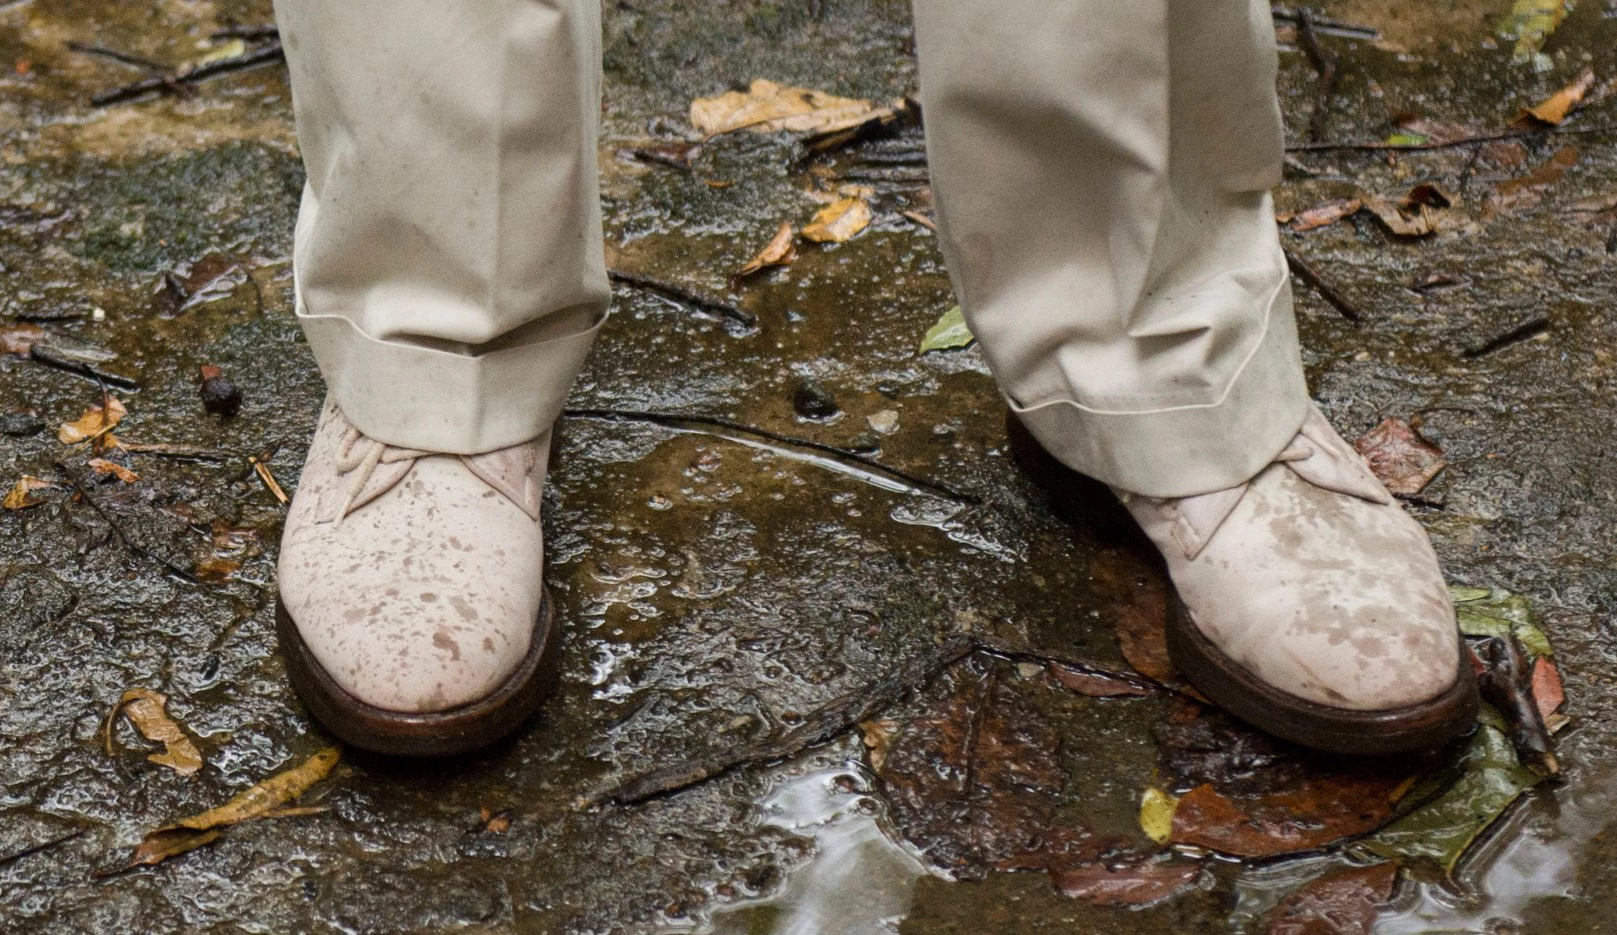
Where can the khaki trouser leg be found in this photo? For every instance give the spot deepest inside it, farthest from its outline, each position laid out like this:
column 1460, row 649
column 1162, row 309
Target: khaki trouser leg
column 448, row 257
column 1102, row 172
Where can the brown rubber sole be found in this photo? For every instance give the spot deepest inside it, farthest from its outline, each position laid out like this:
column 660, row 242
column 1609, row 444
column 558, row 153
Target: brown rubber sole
column 438, row 733
column 1082, row 500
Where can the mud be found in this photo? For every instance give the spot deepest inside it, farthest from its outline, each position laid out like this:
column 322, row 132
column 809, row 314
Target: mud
column 719, row 587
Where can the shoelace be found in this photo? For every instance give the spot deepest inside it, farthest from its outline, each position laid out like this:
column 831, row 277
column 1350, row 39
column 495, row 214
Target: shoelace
column 349, row 460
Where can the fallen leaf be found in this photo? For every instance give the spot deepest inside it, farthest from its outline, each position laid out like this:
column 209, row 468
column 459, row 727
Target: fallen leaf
column 780, row 251
column 1497, row 612
column 19, row 338
column 1528, row 190
column 257, row 802
column 839, row 221
column 1139, row 885
column 146, row 710
column 1555, row 109
column 1443, row 829
column 97, row 420
column 975, row 780
column 1095, row 684
column 20, row 497
column 1530, row 23
column 1156, row 814
column 1137, row 604
column 878, row 737
column 1417, row 213
column 1403, row 460
column 1346, row 902
column 767, row 107
column 235, row 48
column 950, row 331
column 103, row 466
column 1326, row 214
column 1548, row 691
column 1302, row 819
column 215, row 568
column 495, row 822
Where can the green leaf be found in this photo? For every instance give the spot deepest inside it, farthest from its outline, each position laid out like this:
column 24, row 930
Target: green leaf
column 1530, row 23
column 1408, row 138
column 950, row 332
column 1496, row 612
column 1156, row 814
column 1443, row 829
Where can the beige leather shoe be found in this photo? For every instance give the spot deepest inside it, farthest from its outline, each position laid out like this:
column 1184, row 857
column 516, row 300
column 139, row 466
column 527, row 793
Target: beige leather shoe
column 1311, row 605
column 412, row 614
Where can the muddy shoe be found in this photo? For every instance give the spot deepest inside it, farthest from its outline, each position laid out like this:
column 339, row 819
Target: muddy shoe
column 1309, row 603
column 412, row 616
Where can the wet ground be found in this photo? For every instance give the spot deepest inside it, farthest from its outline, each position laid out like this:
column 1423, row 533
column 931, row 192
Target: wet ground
column 736, row 597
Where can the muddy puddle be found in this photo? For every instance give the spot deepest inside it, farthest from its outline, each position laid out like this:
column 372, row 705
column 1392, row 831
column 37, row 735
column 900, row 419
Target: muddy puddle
column 831, row 666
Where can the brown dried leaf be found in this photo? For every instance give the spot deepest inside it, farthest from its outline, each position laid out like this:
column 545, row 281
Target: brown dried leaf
column 1403, row 460
column 839, row 221
column 215, row 568
column 259, row 801
column 767, row 107
column 1342, row 903
column 1141, row 884
column 1326, row 214
column 878, row 737
column 1528, row 190
column 146, row 710
column 96, row 421
column 1555, row 109
column 103, row 466
column 1417, row 213
column 780, row 251
column 19, row 338
column 20, row 497
column 1548, row 692
column 1317, row 812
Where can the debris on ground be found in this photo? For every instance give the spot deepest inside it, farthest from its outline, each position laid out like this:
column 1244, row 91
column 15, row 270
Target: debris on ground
column 780, row 251
column 147, row 711
column 98, row 420
column 220, row 395
column 839, row 221
column 1398, row 455
column 948, row 332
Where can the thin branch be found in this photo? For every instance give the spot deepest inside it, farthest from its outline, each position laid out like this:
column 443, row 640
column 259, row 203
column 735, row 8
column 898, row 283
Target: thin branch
column 1325, row 64
column 996, row 646
column 123, row 58
column 43, row 846
column 1384, row 146
column 824, row 724
column 682, row 420
column 1527, row 330
column 686, row 295
column 1328, row 292
column 183, row 574
column 42, row 354
column 184, row 78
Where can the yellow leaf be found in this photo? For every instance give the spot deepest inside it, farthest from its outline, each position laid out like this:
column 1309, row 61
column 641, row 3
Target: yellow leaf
column 1156, row 815
column 97, row 420
column 767, row 107
column 839, row 221
column 1555, row 109
column 261, row 801
column 235, row 48
column 19, row 497
column 781, row 251
column 103, row 466
column 145, row 710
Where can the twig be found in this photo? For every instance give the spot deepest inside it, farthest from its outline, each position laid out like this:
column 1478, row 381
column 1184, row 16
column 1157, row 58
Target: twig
column 824, row 724
column 1325, row 65
column 42, row 354
column 72, row 478
column 179, row 452
column 123, row 58
column 171, row 82
column 1526, row 330
column 1328, row 26
column 1327, row 291
column 1506, row 683
column 921, row 219
column 44, row 846
column 1380, row 145
column 679, row 293
column 996, row 646
column 682, row 420
column 270, row 483
column 266, row 31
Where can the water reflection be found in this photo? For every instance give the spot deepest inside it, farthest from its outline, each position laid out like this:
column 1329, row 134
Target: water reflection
column 858, row 882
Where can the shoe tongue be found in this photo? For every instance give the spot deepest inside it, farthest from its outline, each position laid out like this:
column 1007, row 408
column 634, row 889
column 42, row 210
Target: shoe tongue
column 1320, row 457
column 511, row 471
column 1200, row 517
